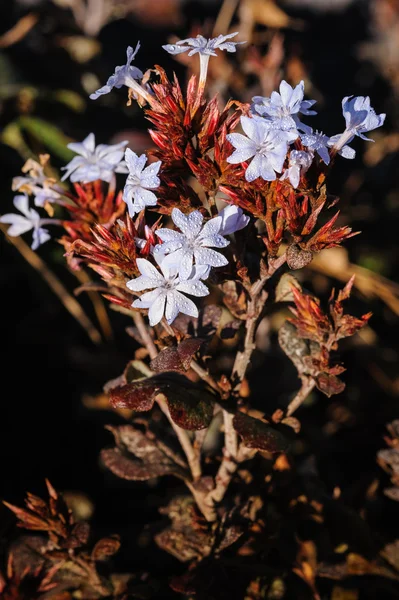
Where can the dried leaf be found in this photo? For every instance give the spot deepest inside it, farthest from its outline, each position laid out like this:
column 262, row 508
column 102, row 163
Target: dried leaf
column 284, row 288
column 258, row 434
column 177, row 358
column 105, row 548
column 137, row 457
column 329, row 384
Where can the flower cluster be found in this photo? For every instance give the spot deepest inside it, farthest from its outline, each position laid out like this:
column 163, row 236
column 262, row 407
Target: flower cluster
column 274, row 125
column 174, row 261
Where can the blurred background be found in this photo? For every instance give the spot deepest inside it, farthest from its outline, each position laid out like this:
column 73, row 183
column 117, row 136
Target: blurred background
column 56, row 356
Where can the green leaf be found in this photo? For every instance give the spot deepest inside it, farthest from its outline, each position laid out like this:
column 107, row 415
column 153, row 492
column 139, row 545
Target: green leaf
column 49, row 135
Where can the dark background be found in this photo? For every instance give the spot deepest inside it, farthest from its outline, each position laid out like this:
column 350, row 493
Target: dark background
column 48, row 363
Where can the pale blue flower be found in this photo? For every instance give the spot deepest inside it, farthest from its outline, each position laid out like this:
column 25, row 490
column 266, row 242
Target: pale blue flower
column 167, row 295
column 233, row 219
column 205, row 48
column 30, row 219
column 95, row 162
column 194, row 243
column 282, row 108
column 317, row 142
column 299, row 163
column 139, row 182
column 201, row 45
column 266, row 145
column 123, row 75
column 360, row 118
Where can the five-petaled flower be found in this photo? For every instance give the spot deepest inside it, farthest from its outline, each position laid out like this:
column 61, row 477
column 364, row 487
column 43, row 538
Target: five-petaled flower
column 30, row 220
column 360, row 118
column 205, row 48
column 139, row 182
column 299, row 162
column 93, row 162
column 194, row 243
column 167, row 295
column 317, row 141
column 282, row 108
column 123, row 75
column 267, row 145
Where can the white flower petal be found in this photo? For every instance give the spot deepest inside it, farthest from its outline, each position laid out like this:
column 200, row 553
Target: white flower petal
column 206, row 256
column 21, row 203
column 19, row 224
column 156, row 310
column 148, row 270
column 190, row 224
column 186, row 306
column 194, row 288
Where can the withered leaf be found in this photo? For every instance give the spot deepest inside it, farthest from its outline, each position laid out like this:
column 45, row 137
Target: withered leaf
column 284, row 288
column 105, row 548
column 235, row 299
column 258, row 434
column 182, row 539
column 137, row 457
column 329, row 384
column 177, row 358
column 205, row 326
column 297, row 349
column 79, row 535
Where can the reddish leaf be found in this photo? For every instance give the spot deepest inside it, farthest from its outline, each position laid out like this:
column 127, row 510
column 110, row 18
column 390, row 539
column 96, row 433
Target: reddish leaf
column 137, row 457
column 190, row 408
column 329, row 384
column 138, row 395
column 258, row 434
column 177, row 358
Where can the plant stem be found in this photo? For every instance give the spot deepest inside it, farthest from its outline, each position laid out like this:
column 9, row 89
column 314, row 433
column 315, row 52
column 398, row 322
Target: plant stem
column 307, row 386
column 194, row 365
column 230, row 459
column 68, row 301
column 145, row 334
column 192, row 456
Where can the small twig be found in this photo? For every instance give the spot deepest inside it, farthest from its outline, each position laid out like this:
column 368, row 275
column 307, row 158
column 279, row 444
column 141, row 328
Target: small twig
column 225, row 17
column 194, row 365
column 68, row 301
column 185, row 442
column 307, row 386
column 228, row 466
column 98, row 305
column 145, row 334
column 19, row 31
column 204, row 375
